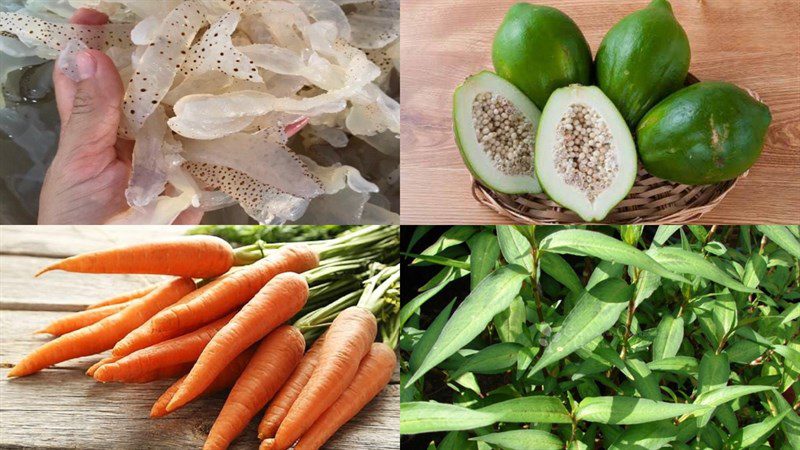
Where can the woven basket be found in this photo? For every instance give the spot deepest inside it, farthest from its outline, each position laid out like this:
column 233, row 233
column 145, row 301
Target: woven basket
column 651, row 200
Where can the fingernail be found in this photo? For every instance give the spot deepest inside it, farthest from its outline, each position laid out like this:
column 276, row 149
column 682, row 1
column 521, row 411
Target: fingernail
column 87, row 66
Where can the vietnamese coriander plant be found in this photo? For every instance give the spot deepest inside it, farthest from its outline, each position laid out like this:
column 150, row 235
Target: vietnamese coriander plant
column 629, row 337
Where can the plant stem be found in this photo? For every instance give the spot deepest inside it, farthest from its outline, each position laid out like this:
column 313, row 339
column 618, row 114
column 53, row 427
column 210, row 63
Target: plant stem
column 629, row 319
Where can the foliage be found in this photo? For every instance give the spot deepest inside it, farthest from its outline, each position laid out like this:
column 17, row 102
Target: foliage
column 250, row 234
column 626, row 337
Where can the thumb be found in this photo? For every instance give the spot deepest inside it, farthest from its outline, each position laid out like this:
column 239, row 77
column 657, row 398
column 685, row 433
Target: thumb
column 89, row 107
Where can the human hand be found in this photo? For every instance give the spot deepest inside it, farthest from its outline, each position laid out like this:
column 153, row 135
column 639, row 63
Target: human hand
column 86, row 182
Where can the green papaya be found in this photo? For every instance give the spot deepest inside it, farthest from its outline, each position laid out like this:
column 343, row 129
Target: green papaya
column 642, row 59
column 540, row 49
column 705, row 133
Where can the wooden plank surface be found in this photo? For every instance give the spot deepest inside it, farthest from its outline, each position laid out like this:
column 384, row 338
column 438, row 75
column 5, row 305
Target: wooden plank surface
column 752, row 44
column 63, row 408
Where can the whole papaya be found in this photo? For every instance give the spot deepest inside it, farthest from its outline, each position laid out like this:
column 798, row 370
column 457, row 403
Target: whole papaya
column 642, row 59
column 540, row 49
column 705, row 133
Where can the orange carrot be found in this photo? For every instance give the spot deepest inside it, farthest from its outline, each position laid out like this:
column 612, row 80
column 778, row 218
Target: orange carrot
column 161, row 373
column 285, row 398
column 373, row 375
column 279, row 300
column 124, row 298
column 347, row 341
column 224, row 380
column 91, row 370
column 146, row 335
column 185, row 256
column 185, row 348
column 80, row 319
column 236, row 288
column 102, row 335
column 273, row 362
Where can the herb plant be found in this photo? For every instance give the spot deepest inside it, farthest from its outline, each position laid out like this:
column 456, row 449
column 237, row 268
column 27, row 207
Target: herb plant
column 629, row 337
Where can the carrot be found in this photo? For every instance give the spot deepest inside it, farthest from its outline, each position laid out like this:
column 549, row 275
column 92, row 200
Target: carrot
column 102, row 335
column 146, row 335
column 235, row 289
column 181, row 349
column 93, row 368
column 161, row 373
column 348, row 339
column 185, row 256
column 80, row 319
column 285, row 398
column 373, row 375
column 124, row 298
column 273, row 362
column 279, row 300
column 224, row 380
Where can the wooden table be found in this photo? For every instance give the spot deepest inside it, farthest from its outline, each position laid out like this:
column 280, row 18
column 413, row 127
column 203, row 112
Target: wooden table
column 755, row 44
column 62, row 407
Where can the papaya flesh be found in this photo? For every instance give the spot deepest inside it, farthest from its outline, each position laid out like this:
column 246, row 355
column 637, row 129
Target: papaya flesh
column 705, row 133
column 540, row 49
column 642, row 59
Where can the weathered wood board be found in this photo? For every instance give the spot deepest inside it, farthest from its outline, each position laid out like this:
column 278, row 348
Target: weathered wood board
column 63, row 408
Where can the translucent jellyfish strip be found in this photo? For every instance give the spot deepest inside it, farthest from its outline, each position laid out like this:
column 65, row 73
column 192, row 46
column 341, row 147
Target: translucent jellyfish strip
column 260, row 157
column 36, row 32
column 215, row 51
column 263, row 202
column 375, row 24
column 156, row 70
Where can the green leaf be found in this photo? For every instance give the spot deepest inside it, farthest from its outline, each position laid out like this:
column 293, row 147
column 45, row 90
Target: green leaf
column 643, row 379
column 510, row 323
column 664, row 232
column 756, row 433
column 715, row 248
column 791, row 422
column 680, row 364
column 645, row 286
column 781, row 236
column 515, row 247
column 630, row 234
column 456, row 440
column 604, row 271
column 522, row 440
column 681, row 261
column 713, row 374
column 595, row 312
column 630, row 410
column 646, row 436
column 717, row 316
column 669, row 336
column 410, row 308
column 754, row 271
column 725, row 394
column 419, row 232
column 440, row 260
column 558, row 268
column 446, row 274
column 453, row 236
column 429, row 338
column 494, row 294
column 428, row 417
column 591, row 243
column 541, row 409
column 577, row 445
column 492, row 359
column 484, row 252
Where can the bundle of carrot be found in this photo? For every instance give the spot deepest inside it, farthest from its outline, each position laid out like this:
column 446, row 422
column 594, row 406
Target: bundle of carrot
column 230, row 329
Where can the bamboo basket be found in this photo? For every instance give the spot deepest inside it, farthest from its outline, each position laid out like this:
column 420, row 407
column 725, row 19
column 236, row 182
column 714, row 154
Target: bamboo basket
column 651, row 200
